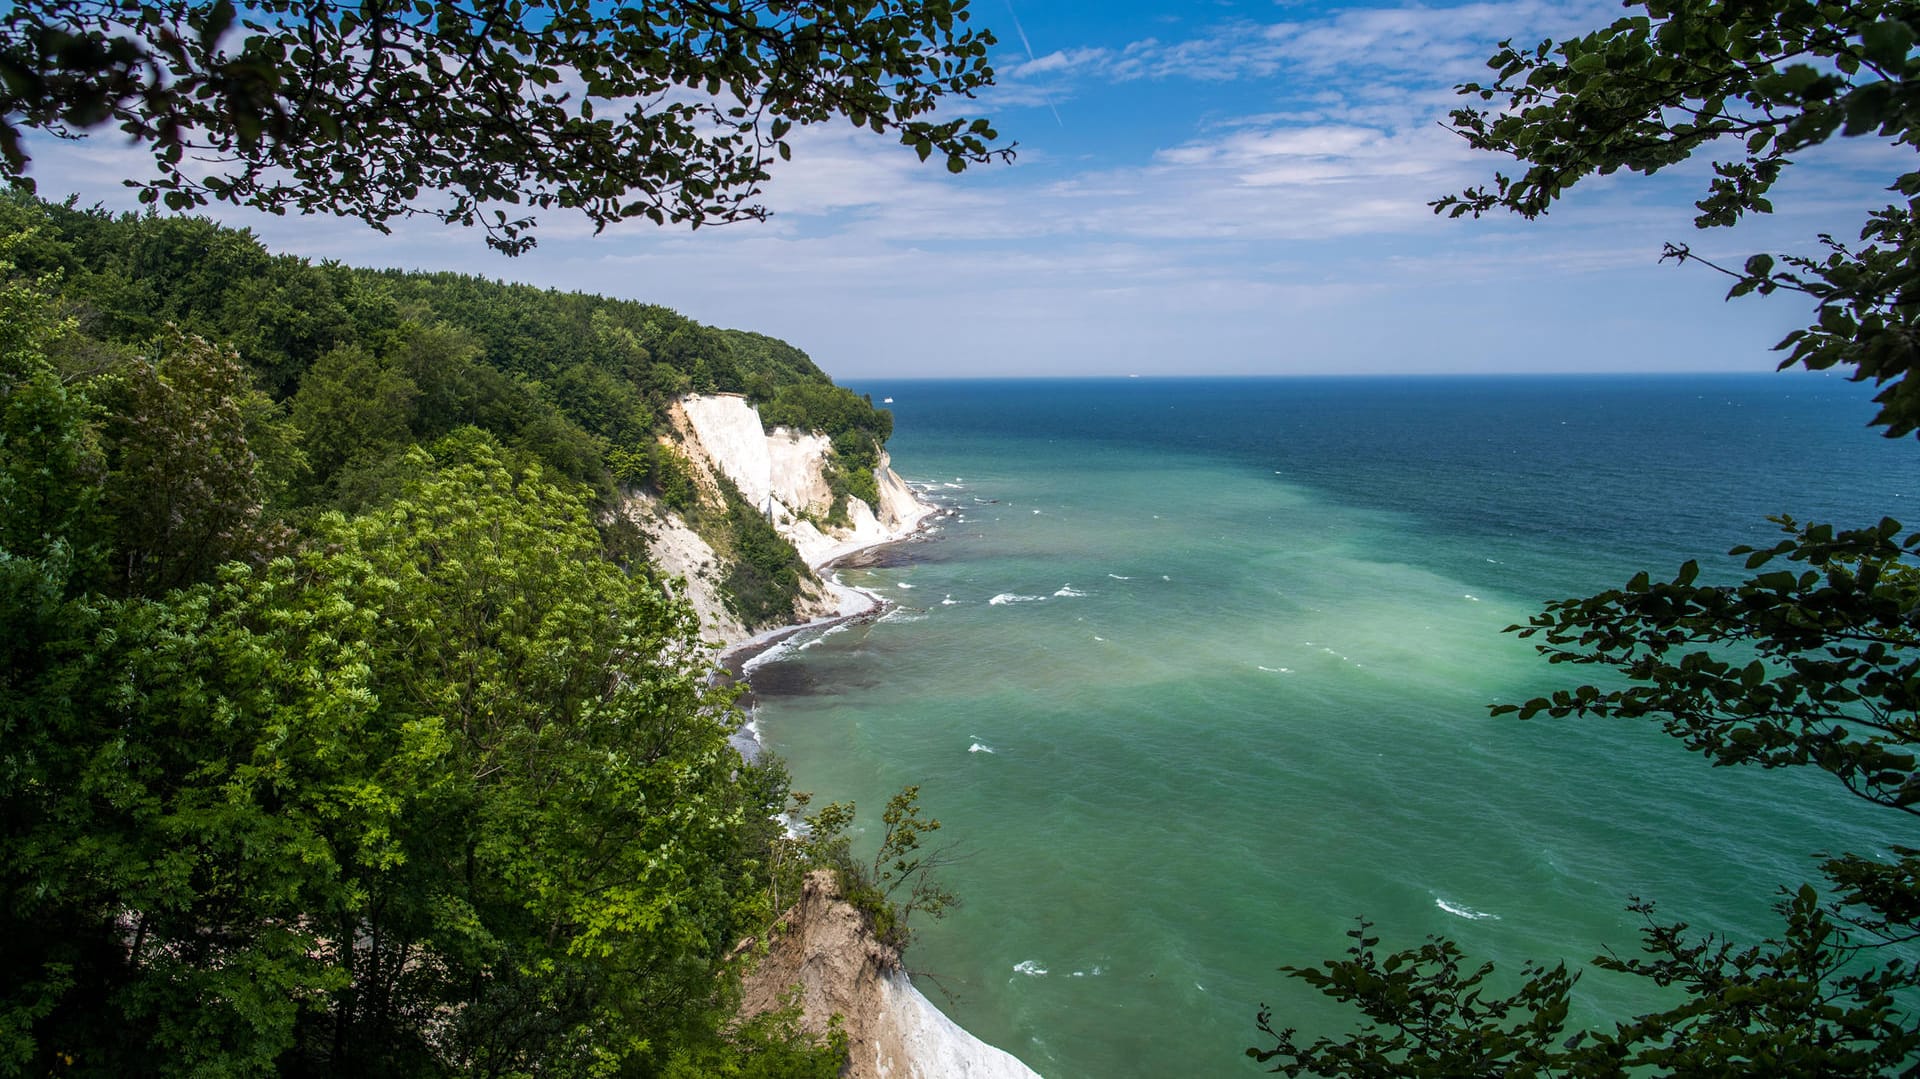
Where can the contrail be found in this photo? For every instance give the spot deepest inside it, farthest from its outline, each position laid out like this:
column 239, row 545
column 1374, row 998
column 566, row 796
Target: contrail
column 1028, row 45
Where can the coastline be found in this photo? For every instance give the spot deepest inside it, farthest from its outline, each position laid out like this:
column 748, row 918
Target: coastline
column 736, row 660
column 896, row 1031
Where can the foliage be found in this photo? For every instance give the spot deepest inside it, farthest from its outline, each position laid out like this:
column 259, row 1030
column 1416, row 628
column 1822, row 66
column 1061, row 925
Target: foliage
column 444, row 790
column 1427, row 1016
column 1808, row 664
column 672, row 112
column 375, row 361
column 1751, row 83
column 770, row 1045
column 661, row 467
column 764, row 574
column 336, row 736
column 1833, row 680
column 898, row 881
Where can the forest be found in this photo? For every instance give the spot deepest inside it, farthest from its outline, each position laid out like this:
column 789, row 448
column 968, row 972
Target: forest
column 343, row 729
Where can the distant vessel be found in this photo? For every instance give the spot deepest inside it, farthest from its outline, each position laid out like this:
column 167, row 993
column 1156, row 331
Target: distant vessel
column 886, row 400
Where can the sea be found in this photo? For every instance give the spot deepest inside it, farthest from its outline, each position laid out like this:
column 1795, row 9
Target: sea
column 1195, row 673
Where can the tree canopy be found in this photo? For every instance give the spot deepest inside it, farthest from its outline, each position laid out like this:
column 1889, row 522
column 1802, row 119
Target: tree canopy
column 1811, row 662
column 483, row 112
column 343, row 729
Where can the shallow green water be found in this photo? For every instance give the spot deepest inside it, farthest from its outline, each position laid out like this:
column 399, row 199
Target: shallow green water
column 1233, row 691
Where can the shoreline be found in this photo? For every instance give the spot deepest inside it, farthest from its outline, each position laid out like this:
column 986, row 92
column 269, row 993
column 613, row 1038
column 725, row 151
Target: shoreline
column 735, row 661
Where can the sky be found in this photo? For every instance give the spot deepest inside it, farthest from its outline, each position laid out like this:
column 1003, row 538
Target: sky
column 1201, row 187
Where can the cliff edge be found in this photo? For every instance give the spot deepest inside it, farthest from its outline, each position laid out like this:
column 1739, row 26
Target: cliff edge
column 783, row 475
column 893, row 1032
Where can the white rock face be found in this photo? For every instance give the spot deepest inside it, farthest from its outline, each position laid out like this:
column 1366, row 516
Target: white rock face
column 925, row 1044
column 783, row 474
column 679, row 551
column 728, row 429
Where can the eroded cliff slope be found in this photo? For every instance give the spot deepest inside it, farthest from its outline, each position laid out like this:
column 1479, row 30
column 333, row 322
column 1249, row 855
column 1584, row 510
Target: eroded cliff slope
column 784, row 476
column 823, row 946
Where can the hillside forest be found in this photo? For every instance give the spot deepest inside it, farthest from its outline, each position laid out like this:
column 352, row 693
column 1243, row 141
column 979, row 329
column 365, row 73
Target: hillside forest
column 343, row 726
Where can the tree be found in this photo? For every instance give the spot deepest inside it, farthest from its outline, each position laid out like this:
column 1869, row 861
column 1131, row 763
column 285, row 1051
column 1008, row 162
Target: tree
column 1817, row 664
column 442, row 791
column 197, row 452
column 671, row 111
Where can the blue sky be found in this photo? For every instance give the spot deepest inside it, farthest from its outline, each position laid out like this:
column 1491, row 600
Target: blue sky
column 1212, row 187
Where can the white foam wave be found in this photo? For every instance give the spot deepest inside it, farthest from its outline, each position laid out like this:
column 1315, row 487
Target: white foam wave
column 1117, row 577
column 1005, row 598
column 1030, row 967
column 1464, row 912
column 1036, row 511
column 774, row 654
column 902, row 584
column 1474, row 598
column 902, row 614
column 949, row 601
column 979, row 748
column 1275, row 670
column 1164, row 577
column 1069, row 591
column 1097, row 637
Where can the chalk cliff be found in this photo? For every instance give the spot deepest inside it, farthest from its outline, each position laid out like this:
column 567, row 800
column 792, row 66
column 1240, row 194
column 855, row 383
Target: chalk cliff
column 783, row 474
column 823, row 946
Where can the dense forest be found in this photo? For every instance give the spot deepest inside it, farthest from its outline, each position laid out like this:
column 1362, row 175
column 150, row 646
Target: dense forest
column 342, row 729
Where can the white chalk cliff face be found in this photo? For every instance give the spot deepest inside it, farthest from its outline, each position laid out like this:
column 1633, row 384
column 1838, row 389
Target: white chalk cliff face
column 784, row 475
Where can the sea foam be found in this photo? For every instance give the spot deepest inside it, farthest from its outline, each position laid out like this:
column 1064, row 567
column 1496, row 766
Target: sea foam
column 1464, row 912
column 1005, row 598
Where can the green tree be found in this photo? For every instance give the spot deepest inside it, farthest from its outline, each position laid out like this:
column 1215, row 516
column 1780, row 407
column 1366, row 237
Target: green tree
column 352, row 404
column 1811, row 663
column 443, row 791
column 670, row 111
column 197, row 453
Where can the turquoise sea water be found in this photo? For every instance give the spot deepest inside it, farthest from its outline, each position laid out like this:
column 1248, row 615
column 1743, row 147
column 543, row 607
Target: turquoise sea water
column 1197, row 672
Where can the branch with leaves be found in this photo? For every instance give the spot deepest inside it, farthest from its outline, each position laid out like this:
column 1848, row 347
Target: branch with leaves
column 668, row 111
column 1750, row 83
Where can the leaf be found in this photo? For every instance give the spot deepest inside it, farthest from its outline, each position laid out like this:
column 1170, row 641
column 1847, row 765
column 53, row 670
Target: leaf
column 1887, row 43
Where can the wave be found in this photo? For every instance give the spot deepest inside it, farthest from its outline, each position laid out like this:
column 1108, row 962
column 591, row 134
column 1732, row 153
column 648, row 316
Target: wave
column 1275, row 670
column 1069, row 591
column 1030, row 967
column 1464, row 912
column 902, row 584
column 903, row 614
column 1005, row 598
column 949, row 601
column 1117, row 577
column 1474, row 598
column 979, row 748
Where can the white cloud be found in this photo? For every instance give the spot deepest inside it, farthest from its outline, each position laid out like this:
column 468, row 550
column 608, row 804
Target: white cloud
column 1276, row 232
